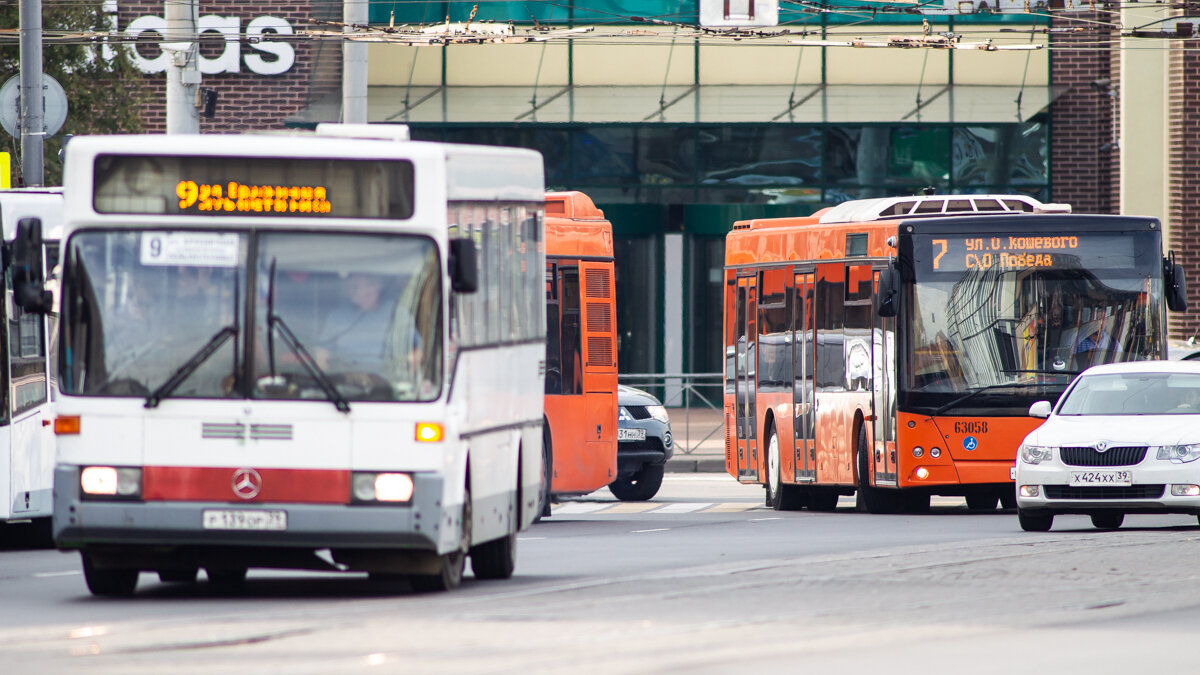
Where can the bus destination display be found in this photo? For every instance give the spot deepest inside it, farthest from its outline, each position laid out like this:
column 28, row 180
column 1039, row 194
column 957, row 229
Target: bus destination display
column 1011, row 252
column 254, row 187
column 202, row 197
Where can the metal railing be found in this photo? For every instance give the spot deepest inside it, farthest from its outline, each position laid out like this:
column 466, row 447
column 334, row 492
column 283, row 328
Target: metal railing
column 683, row 390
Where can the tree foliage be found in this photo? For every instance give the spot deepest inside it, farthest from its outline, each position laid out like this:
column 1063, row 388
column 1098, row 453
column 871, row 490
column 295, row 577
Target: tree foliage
column 104, row 96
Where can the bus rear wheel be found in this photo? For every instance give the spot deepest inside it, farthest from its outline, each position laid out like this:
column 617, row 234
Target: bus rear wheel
column 547, row 474
column 109, row 582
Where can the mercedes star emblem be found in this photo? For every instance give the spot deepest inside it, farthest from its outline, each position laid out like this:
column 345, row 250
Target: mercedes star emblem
column 246, row 483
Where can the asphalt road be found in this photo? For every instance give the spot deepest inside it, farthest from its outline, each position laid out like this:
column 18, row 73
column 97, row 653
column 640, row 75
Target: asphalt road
column 702, row 579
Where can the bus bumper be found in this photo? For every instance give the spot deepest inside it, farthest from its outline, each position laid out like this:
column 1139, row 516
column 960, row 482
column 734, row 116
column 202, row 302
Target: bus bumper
column 80, row 523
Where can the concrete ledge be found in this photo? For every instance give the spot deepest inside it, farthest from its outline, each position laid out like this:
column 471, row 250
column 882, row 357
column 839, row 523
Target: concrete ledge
column 693, row 464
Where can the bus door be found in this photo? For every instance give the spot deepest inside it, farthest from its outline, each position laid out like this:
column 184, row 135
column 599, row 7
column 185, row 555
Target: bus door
column 883, row 399
column 745, row 333
column 803, row 426
column 600, row 363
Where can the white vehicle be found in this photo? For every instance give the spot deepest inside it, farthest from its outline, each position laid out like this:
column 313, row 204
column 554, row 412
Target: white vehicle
column 26, row 438
column 298, row 351
column 1124, row 438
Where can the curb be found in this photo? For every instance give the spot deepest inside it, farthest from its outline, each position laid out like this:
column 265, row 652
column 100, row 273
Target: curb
column 686, row 464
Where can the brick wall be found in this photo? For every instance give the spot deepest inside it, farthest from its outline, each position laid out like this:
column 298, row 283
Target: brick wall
column 1084, row 161
column 1184, row 176
column 248, row 100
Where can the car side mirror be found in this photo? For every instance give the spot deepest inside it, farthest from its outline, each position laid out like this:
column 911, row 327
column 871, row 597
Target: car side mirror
column 889, row 292
column 1040, row 409
column 1174, row 284
column 464, row 266
column 28, row 274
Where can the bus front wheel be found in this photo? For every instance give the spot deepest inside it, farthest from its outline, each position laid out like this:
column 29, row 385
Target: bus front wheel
column 109, row 582
column 870, row 498
column 450, row 565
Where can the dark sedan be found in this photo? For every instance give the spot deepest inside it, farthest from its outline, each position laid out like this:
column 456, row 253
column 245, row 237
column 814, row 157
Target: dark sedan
column 644, row 444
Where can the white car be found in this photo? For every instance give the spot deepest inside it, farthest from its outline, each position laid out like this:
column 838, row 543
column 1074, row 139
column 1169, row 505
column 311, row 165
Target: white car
column 1124, row 438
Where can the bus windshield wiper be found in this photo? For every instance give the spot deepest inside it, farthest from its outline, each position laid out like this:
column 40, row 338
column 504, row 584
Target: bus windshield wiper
column 975, row 392
column 185, row 371
column 309, row 363
column 1036, row 371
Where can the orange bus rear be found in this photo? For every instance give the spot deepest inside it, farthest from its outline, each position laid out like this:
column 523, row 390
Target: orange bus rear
column 892, row 347
column 581, row 346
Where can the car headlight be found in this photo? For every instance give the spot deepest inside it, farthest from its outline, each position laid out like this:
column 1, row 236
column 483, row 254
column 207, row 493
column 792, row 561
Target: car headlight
column 1180, row 454
column 659, row 413
column 623, row 415
column 1035, row 454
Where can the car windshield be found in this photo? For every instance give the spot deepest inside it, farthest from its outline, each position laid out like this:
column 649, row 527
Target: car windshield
column 1134, row 394
column 340, row 317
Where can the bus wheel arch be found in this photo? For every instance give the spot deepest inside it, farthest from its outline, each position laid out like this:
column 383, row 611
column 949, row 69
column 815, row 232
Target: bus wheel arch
column 764, row 449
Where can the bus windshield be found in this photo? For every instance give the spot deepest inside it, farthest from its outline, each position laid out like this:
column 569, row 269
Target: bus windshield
column 338, row 317
column 1001, row 335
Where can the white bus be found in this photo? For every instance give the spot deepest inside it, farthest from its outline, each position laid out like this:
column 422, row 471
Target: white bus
column 26, row 438
column 298, row 351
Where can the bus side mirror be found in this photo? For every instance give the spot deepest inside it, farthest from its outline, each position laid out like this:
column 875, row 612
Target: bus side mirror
column 464, row 266
column 889, row 292
column 29, row 281
column 1040, row 409
column 1174, row 284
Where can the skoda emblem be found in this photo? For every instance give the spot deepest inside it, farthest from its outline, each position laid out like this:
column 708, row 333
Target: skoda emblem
column 246, row 483
column 1102, row 446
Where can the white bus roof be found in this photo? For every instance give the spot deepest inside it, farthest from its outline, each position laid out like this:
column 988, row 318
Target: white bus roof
column 888, row 208
column 44, row 203
column 462, row 172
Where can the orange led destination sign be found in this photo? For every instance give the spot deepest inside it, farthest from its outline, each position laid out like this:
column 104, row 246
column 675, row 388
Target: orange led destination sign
column 235, row 197
column 1022, row 251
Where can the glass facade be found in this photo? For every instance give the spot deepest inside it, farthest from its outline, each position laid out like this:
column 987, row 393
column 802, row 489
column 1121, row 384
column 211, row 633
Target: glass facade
column 656, row 179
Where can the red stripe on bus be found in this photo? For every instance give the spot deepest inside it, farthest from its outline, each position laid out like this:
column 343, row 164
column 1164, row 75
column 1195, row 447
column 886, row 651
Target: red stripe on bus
column 237, row 485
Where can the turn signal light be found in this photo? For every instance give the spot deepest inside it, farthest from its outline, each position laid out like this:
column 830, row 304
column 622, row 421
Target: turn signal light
column 429, row 432
column 66, row 425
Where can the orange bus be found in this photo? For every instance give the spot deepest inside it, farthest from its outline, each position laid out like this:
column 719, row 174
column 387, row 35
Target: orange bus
column 892, row 347
column 581, row 348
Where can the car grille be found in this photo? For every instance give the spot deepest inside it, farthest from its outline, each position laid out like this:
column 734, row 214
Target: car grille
column 1111, row 457
column 651, row 443
column 638, row 412
column 1131, row 492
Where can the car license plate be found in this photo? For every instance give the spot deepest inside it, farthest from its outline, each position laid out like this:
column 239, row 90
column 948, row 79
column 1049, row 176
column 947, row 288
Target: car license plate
column 631, row 434
column 1102, row 478
column 245, row 520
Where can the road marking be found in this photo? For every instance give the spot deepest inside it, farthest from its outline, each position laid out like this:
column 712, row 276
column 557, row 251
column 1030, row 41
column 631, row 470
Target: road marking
column 758, row 520
column 657, row 529
column 731, row 507
column 46, row 575
column 529, row 538
column 633, row 507
column 683, row 507
column 577, row 508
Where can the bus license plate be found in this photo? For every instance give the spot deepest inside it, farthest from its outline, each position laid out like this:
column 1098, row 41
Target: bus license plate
column 631, row 434
column 245, row 520
column 1102, row 478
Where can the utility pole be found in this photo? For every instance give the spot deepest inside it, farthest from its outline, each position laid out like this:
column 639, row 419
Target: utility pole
column 183, row 77
column 33, row 106
column 354, row 63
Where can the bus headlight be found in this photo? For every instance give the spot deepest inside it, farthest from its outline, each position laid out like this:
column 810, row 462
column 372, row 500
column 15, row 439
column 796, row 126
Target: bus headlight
column 1035, row 454
column 393, row 488
column 1180, row 454
column 108, row 481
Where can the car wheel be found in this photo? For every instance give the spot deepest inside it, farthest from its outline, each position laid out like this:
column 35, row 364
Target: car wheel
column 870, row 498
column 982, row 501
column 114, row 583
column 178, row 576
column 1107, row 521
column 450, row 565
column 1031, row 522
column 641, row 487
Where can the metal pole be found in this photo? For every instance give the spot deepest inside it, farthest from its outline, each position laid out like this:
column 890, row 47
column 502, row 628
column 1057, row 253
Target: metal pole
column 183, row 117
column 33, row 103
column 354, row 63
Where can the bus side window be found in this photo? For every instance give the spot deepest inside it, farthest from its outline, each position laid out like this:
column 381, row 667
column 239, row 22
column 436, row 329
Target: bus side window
column 571, row 337
column 553, row 348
